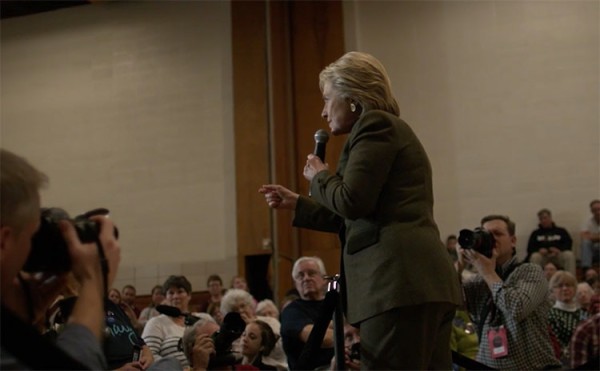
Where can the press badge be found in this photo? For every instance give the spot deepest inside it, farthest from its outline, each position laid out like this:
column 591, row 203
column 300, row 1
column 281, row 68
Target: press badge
column 497, row 342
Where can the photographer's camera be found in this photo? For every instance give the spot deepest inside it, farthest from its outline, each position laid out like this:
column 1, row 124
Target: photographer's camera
column 478, row 239
column 49, row 251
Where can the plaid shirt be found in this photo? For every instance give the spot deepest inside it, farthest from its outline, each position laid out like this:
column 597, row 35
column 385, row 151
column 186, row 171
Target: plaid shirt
column 521, row 304
column 585, row 342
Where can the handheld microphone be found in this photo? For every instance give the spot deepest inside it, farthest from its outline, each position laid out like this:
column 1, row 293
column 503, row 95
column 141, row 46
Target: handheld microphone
column 321, row 139
column 169, row 311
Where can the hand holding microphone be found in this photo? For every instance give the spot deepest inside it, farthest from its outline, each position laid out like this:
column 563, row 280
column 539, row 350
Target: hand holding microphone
column 315, row 161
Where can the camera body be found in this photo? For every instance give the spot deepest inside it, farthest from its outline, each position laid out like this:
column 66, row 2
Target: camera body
column 478, row 239
column 231, row 329
column 49, row 251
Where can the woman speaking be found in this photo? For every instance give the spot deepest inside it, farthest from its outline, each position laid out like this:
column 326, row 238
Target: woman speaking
column 401, row 287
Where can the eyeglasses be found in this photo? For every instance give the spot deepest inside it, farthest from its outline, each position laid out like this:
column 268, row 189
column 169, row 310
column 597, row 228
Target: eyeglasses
column 562, row 285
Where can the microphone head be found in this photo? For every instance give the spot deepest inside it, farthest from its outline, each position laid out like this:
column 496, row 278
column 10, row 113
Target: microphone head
column 321, row 136
column 169, row 310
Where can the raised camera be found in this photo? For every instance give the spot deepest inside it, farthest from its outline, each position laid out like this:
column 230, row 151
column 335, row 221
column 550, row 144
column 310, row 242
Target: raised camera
column 478, row 239
column 49, row 251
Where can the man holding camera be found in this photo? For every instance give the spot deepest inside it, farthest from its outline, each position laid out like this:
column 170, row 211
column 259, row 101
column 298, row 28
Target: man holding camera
column 25, row 297
column 508, row 301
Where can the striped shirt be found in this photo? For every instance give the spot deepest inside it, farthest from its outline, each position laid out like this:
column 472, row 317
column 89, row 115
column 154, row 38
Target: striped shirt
column 162, row 336
column 521, row 305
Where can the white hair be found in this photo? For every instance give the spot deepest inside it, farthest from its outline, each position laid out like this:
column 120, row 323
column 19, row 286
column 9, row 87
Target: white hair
column 232, row 296
column 314, row 259
column 263, row 304
column 189, row 335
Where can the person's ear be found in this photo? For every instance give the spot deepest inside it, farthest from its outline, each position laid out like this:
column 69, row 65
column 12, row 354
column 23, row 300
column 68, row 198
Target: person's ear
column 5, row 234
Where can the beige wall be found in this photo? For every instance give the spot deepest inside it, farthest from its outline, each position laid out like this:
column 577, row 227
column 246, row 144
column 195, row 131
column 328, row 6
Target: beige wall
column 128, row 106
column 504, row 96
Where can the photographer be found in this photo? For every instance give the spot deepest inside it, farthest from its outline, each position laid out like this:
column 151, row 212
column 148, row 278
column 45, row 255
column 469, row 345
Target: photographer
column 26, row 297
column 507, row 300
column 208, row 346
column 351, row 348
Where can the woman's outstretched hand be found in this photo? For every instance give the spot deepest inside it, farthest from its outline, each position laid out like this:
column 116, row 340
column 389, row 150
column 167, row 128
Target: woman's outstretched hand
column 279, row 197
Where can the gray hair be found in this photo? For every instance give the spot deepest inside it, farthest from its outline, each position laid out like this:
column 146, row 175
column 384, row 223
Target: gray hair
column 263, row 304
column 20, row 183
column 360, row 77
column 314, row 259
column 189, row 335
column 232, row 296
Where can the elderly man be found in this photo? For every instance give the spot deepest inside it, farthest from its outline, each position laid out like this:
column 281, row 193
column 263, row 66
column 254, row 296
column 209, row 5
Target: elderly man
column 297, row 319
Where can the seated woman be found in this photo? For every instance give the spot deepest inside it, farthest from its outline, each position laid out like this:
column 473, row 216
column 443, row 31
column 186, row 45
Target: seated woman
column 258, row 340
column 565, row 315
column 583, row 297
column 123, row 348
column 162, row 333
column 114, row 295
column 236, row 300
column 150, row 311
column 267, row 308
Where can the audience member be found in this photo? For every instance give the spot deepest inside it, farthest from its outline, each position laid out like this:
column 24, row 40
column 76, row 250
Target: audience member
column 590, row 275
column 590, row 237
column 585, row 342
column 565, row 315
column 214, row 309
column 298, row 317
column 214, row 283
column 114, row 295
column 197, row 344
column 549, row 241
column 550, row 267
column 128, row 295
column 162, row 333
column 239, row 282
column 267, row 308
column 240, row 301
column 509, row 302
column 26, row 297
column 351, row 348
column 583, row 296
column 258, row 340
column 157, row 297
column 121, row 342
column 464, row 337
column 290, row 296
column 451, row 243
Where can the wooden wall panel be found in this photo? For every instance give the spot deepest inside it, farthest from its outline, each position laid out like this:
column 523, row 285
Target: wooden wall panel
column 283, row 142
column 276, row 66
column 317, row 40
column 251, row 126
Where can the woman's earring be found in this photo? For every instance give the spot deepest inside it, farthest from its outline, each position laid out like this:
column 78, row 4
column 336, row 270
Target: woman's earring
column 352, row 107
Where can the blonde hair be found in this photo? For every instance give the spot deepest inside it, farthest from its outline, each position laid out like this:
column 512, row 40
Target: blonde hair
column 562, row 277
column 361, row 78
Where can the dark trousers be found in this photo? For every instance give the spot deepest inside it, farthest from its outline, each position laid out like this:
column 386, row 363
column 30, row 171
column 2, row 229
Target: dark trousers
column 408, row 338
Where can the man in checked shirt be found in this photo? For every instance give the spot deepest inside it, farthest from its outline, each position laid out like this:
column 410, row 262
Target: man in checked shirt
column 509, row 303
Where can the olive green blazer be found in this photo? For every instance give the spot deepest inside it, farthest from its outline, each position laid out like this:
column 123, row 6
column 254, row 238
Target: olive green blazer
column 382, row 193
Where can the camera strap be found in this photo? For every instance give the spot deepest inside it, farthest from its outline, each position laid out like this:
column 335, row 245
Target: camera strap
column 490, row 306
column 103, row 264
